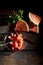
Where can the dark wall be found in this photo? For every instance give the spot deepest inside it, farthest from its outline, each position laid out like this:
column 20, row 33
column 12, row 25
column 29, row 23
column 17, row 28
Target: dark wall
column 28, row 5
column 35, row 6
column 25, row 4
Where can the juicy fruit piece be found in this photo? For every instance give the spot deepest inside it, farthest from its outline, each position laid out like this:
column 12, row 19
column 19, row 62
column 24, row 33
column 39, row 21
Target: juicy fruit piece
column 21, row 25
column 35, row 18
column 16, row 45
column 32, row 27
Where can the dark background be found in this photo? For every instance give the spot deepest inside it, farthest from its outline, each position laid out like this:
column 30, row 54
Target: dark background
column 27, row 5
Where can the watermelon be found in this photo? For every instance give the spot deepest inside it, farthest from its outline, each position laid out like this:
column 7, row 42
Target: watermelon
column 35, row 18
column 33, row 27
column 21, row 25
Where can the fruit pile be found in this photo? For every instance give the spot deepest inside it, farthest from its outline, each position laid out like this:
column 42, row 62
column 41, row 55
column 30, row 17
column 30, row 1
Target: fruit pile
column 32, row 25
column 16, row 42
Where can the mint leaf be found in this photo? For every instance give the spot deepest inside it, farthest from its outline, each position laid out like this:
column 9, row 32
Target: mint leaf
column 15, row 17
column 20, row 12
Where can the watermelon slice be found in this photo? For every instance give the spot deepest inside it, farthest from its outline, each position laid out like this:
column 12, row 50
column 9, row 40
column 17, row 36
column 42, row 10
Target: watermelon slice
column 35, row 18
column 21, row 25
column 33, row 27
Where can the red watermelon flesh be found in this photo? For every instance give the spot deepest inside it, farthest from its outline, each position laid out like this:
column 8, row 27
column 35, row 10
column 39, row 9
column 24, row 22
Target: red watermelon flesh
column 21, row 26
column 35, row 18
column 32, row 27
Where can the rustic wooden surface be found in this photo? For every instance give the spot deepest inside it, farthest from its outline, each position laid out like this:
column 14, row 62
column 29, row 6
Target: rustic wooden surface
column 22, row 58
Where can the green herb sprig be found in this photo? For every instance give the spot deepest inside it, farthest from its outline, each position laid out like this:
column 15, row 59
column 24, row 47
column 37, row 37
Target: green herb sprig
column 15, row 17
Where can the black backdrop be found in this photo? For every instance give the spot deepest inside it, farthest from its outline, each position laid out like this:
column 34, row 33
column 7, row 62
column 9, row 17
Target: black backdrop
column 27, row 5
